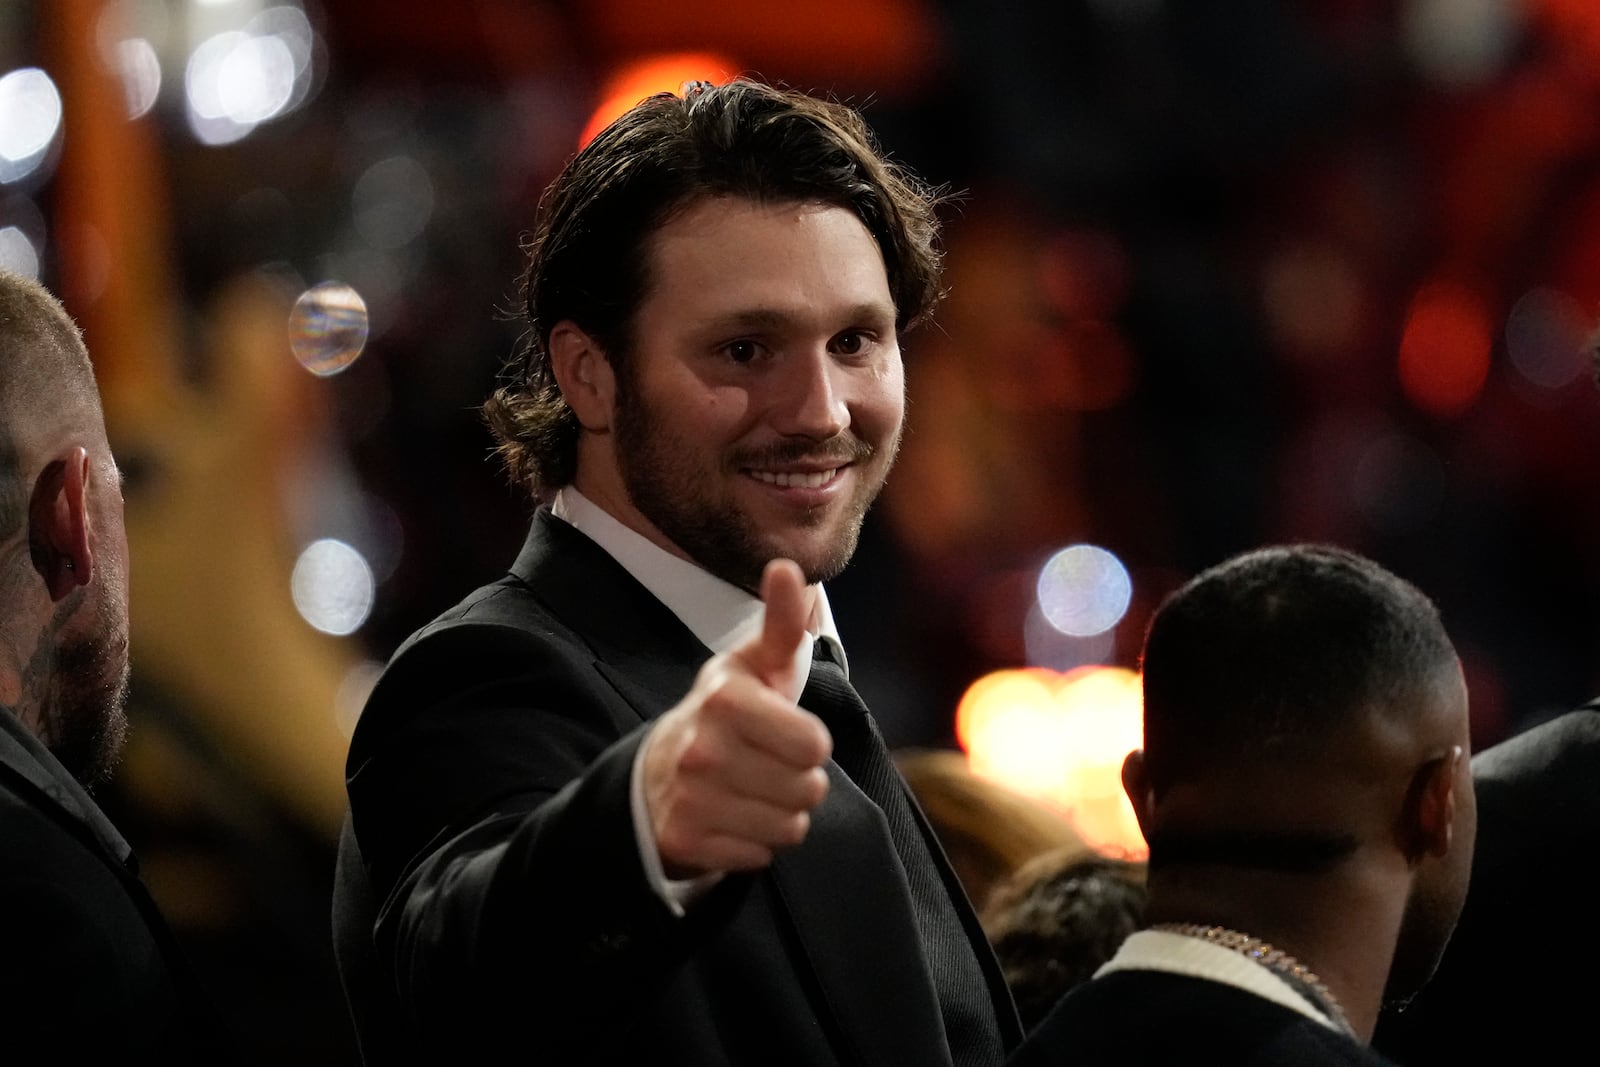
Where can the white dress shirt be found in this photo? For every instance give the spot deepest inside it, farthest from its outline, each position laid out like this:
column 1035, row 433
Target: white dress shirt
column 720, row 614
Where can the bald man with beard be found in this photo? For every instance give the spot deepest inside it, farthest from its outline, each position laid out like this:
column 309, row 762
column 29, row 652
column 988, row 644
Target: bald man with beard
column 89, row 968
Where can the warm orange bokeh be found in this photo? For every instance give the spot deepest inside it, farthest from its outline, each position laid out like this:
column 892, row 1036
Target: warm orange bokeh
column 651, row 75
column 1061, row 738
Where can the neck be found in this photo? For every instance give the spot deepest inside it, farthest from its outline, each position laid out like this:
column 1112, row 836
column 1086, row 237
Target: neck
column 1341, row 926
column 605, row 491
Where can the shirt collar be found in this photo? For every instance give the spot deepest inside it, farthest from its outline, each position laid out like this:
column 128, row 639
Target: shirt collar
column 719, row 613
column 1161, row 950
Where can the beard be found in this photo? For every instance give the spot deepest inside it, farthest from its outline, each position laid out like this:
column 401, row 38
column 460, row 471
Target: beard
column 660, row 472
column 82, row 699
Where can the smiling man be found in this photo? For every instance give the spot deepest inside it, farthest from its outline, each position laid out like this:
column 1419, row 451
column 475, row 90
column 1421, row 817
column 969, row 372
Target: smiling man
column 623, row 805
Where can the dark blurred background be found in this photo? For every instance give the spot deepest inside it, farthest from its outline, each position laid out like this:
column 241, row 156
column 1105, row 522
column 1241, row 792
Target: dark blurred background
column 1220, row 275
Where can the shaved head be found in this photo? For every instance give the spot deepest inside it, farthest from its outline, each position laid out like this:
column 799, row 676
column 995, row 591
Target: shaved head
column 63, row 551
column 46, row 383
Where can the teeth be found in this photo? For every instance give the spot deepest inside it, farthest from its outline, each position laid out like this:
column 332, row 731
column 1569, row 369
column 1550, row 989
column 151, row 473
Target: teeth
column 796, row 479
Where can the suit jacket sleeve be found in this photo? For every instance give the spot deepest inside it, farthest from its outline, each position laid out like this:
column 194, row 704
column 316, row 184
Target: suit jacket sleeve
column 489, row 793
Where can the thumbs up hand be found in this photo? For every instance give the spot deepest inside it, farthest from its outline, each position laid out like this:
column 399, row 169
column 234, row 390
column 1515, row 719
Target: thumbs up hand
column 732, row 772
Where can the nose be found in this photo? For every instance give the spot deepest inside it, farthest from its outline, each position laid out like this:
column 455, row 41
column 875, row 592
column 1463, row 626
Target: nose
column 814, row 400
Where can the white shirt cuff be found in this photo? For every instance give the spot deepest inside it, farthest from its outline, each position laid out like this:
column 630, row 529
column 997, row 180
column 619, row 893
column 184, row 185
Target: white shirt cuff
column 676, row 893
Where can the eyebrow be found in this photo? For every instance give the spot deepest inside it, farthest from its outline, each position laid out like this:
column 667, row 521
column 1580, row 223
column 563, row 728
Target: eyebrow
column 773, row 319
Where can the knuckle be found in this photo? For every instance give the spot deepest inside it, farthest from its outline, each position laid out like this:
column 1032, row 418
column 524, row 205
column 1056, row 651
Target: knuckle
column 700, row 755
column 673, row 842
column 794, row 829
column 712, row 671
column 720, row 703
column 681, row 834
column 816, row 787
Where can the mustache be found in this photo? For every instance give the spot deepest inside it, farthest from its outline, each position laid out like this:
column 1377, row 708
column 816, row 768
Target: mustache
column 838, row 451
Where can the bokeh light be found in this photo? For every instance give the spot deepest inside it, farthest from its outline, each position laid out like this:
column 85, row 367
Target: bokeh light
column 1084, row 590
column 1458, row 42
column 239, row 78
column 140, row 70
column 290, row 26
column 17, row 253
column 332, row 587
column 30, row 120
column 1546, row 338
column 1444, row 351
column 392, row 202
column 1314, row 302
column 1061, row 738
column 1012, row 728
column 328, row 328
column 653, row 74
column 234, row 82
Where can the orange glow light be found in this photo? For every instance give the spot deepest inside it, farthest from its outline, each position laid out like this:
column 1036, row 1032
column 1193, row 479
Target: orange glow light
column 651, row 75
column 1444, row 351
column 1061, row 738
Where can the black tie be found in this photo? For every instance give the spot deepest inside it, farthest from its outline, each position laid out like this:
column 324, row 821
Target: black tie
column 969, row 1016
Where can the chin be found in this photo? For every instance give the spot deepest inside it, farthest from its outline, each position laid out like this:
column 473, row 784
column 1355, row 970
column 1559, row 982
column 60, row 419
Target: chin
column 821, row 560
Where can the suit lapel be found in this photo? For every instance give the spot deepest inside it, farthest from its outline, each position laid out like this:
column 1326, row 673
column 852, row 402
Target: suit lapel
column 642, row 648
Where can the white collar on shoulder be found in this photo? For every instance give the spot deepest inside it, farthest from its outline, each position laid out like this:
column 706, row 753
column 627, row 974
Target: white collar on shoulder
column 719, row 613
column 1159, row 950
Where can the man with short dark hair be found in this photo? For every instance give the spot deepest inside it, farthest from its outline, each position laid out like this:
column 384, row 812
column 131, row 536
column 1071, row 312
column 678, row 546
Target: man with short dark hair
column 594, row 805
column 1305, row 794
column 88, row 970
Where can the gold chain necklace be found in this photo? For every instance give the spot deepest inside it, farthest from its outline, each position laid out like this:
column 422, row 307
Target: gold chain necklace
column 1299, row 977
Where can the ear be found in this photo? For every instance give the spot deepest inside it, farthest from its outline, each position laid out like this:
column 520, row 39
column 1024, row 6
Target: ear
column 1429, row 819
column 59, row 534
column 1136, row 783
column 585, row 376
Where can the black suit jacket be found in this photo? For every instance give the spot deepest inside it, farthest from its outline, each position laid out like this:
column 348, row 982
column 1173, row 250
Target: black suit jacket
column 488, row 781
column 1153, row 1019
column 89, row 971
column 1512, row 986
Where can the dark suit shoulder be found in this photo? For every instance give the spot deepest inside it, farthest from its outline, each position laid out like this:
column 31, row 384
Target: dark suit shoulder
column 84, row 960
column 79, row 915
column 1537, row 797
column 1572, row 738
column 503, row 701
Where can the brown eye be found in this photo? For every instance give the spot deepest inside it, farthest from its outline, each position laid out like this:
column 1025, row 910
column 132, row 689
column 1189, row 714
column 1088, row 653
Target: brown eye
column 850, row 343
column 742, row 351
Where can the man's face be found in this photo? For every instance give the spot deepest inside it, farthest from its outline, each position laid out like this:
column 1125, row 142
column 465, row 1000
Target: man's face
column 761, row 403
